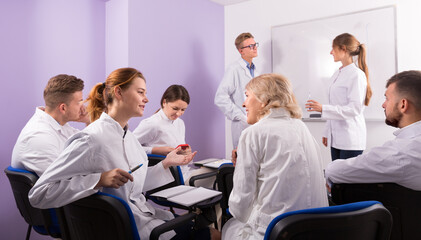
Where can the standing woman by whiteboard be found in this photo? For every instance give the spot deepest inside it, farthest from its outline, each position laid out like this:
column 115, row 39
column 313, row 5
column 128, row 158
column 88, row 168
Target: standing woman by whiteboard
column 349, row 93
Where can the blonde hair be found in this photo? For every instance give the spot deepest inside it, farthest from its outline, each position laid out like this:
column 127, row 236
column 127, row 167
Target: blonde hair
column 349, row 43
column 275, row 91
column 102, row 94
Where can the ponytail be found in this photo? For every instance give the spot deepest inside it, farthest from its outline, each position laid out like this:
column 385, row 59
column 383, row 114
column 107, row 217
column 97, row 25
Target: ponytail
column 96, row 101
column 362, row 64
column 352, row 45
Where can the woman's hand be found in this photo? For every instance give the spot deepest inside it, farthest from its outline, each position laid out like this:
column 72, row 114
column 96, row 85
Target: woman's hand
column 185, row 151
column 162, row 150
column 175, row 159
column 313, row 106
column 114, row 178
column 324, row 141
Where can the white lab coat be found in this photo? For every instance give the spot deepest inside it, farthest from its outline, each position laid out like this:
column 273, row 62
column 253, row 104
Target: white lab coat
column 279, row 169
column 230, row 97
column 40, row 142
column 159, row 131
column 345, row 126
column 100, row 147
column 397, row 161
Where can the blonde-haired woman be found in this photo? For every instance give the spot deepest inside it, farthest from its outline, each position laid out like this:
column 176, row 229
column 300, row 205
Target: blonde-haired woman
column 279, row 168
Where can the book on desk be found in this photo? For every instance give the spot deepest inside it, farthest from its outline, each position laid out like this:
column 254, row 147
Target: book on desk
column 186, row 195
column 212, row 162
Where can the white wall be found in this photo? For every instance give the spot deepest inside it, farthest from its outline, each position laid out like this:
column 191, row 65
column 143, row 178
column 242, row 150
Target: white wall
column 258, row 16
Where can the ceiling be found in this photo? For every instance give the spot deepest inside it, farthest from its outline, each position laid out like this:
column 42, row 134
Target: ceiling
column 227, row 2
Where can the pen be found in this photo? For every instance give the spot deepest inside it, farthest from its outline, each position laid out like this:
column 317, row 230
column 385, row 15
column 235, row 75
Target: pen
column 135, row 168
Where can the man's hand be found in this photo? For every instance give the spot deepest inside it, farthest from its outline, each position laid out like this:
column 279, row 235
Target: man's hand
column 234, row 157
column 114, row 178
column 84, row 116
column 324, row 141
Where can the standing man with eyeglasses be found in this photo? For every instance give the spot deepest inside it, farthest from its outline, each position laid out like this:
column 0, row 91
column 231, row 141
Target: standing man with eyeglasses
column 230, row 94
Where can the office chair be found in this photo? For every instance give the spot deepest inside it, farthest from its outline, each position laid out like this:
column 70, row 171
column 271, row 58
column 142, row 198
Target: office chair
column 403, row 203
column 366, row 220
column 44, row 221
column 224, row 181
column 154, row 159
column 104, row 216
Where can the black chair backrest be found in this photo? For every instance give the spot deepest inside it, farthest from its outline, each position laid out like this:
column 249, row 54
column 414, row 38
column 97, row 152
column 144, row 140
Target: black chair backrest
column 99, row 217
column 21, row 182
column 403, row 203
column 224, row 180
column 370, row 223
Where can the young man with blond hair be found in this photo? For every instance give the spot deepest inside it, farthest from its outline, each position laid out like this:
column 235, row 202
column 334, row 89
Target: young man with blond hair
column 230, row 94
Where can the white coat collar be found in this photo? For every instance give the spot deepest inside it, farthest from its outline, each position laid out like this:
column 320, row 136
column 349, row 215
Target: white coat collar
column 106, row 118
column 48, row 118
column 277, row 113
column 243, row 65
column 348, row 67
column 163, row 116
column 409, row 131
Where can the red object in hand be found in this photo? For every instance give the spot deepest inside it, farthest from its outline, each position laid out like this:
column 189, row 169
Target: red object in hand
column 183, row 146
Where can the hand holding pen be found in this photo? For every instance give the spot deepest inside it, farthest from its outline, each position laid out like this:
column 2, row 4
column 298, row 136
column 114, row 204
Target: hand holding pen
column 114, row 178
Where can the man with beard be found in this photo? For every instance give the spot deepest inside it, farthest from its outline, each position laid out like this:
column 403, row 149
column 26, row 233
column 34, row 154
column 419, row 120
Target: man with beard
column 399, row 160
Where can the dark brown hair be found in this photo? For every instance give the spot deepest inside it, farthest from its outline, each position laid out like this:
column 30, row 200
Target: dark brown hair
column 408, row 86
column 174, row 93
column 60, row 88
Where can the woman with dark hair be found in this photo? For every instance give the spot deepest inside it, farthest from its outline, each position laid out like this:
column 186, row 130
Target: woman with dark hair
column 164, row 130
column 101, row 157
column 349, row 93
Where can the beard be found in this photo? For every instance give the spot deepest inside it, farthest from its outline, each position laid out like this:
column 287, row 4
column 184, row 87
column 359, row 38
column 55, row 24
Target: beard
column 394, row 118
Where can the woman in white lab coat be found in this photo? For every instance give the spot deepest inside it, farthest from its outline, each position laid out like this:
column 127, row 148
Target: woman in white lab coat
column 99, row 157
column 163, row 131
column 279, row 167
column 349, row 93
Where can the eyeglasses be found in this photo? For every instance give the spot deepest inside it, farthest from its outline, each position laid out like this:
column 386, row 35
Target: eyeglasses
column 251, row 46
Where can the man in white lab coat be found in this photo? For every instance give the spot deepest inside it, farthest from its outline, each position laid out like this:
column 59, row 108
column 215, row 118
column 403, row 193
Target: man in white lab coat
column 398, row 160
column 43, row 137
column 230, row 94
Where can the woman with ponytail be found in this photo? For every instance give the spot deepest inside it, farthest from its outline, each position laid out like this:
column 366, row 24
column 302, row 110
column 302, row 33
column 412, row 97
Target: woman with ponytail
column 349, row 93
column 107, row 157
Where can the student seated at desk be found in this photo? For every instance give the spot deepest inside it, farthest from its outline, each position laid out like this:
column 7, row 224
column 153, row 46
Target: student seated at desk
column 279, row 167
column 43, row 137
column 163, row 131
column 399, row 160
column 99, row 158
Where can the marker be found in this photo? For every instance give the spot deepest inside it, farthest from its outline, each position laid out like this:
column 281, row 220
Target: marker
column 135, row 168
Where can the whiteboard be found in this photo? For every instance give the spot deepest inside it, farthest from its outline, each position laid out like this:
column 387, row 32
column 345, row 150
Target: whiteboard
column 301, row 52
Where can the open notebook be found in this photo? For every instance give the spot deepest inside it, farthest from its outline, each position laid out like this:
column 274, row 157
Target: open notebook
column 186, row 195
column 212, row 162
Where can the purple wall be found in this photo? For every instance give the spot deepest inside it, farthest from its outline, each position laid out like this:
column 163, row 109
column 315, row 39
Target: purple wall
column 185, row 46
column 40, row 39
column 180, row 43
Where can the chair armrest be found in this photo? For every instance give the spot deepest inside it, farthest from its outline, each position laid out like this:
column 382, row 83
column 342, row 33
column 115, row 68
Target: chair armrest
column 201, row 176
column 170, row 225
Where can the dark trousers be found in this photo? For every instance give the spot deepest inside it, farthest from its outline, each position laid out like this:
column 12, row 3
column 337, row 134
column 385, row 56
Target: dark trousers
column 343, row 154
